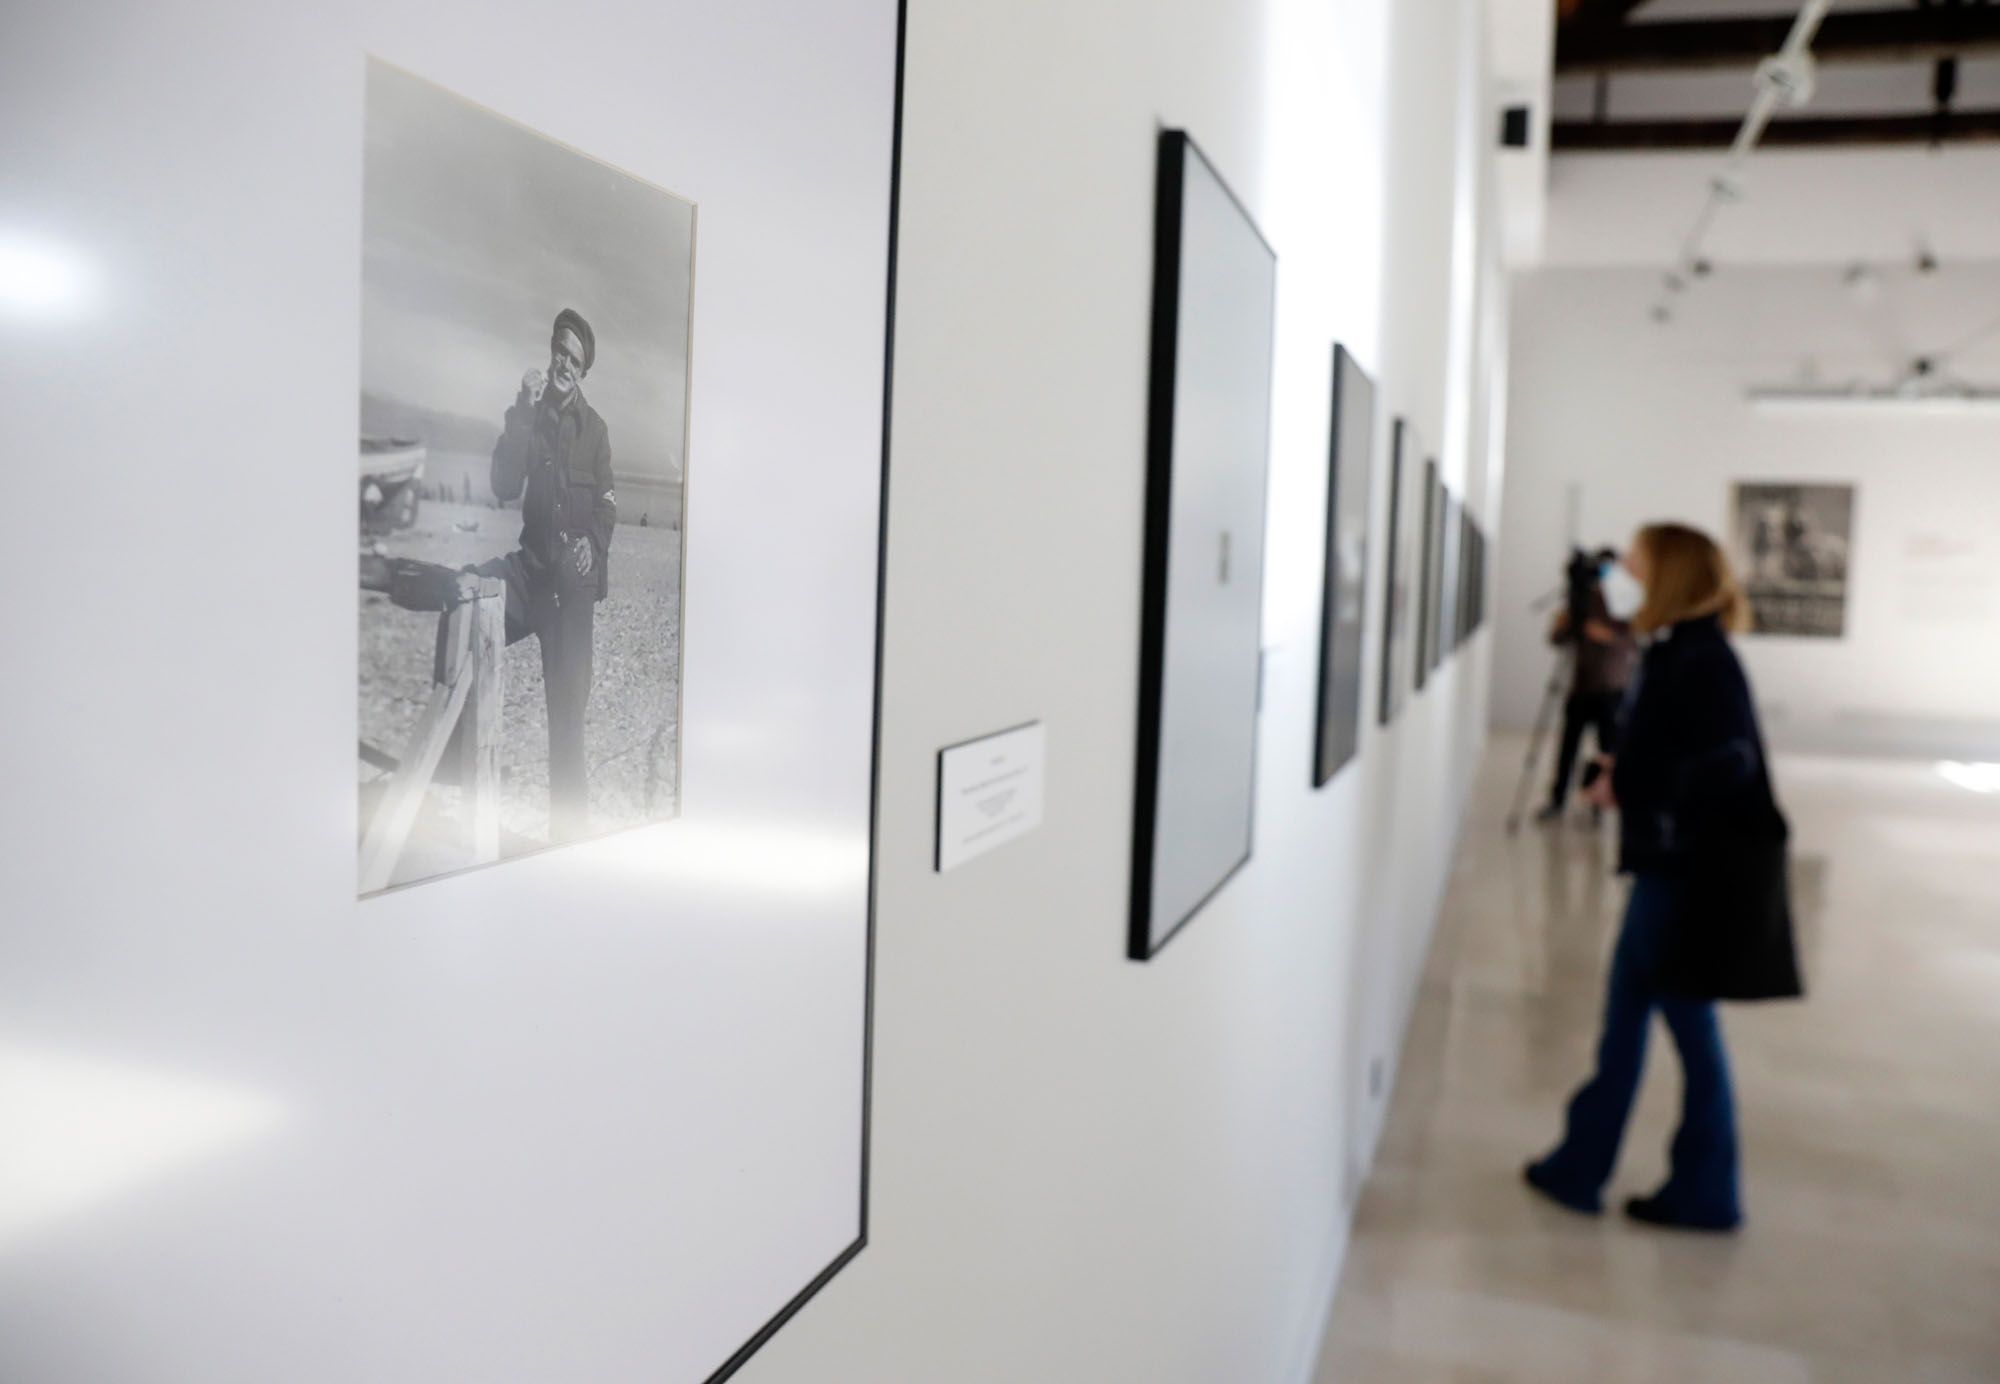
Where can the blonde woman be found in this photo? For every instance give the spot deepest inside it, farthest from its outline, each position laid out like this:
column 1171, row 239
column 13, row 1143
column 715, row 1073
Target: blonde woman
column 1702, row 838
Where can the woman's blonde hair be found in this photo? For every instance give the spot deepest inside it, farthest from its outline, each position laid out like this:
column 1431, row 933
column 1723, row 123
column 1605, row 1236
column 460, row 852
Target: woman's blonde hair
column 1688, row 576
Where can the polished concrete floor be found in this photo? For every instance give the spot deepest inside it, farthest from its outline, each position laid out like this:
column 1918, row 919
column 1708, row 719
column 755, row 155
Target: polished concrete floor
column 1870, row 1115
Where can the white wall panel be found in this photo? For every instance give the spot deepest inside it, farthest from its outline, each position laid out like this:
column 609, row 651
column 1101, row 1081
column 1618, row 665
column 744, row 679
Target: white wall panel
column 591, row 1115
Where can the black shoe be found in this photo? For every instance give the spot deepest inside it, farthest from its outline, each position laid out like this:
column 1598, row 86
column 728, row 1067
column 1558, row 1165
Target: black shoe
column 1552, row 813
column 1653, row 1210
column 1538, row 1179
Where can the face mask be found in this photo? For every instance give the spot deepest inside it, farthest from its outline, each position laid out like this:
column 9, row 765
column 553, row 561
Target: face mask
column 1622, row 593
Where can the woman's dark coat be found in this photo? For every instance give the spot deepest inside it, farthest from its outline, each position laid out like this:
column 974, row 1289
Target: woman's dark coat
column 1695, row 803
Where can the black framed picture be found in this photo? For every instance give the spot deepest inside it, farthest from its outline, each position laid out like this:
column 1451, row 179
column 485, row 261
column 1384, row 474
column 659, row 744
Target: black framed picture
column 1344, row 592
column 1471, row 569
column 528, row 426
column 1450, row 577
column 1208, row 441
column 1478, row 578
column 1400, row 594
column 1430, row 571
column 1435, row 612
column 1793, row 542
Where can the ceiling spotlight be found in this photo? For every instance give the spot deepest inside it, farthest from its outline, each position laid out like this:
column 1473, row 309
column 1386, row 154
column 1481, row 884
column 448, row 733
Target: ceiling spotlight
column 1927, row 260
column 1702, row 268
column 1663, row 314
column 1789, row 77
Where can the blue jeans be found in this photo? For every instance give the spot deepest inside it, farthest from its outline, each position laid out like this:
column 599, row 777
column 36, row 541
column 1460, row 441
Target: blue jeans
column 1701, row 1185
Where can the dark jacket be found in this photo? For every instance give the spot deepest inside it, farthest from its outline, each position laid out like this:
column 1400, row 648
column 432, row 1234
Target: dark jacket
column 562, row 454
column 1696, row 805
column 1690, row 768
column 1601, row 669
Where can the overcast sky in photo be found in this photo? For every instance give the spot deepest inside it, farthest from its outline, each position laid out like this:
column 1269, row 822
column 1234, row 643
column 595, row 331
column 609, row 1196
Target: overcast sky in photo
column 477, row 231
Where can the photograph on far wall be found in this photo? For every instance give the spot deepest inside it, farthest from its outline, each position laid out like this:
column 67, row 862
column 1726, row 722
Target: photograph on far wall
column 523, row 418
column 1201, row 623
column 1399, row 617
column 1344, row 592
column 1792, row 546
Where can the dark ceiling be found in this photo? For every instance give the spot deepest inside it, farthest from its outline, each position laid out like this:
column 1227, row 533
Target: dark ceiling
column 1643, row 74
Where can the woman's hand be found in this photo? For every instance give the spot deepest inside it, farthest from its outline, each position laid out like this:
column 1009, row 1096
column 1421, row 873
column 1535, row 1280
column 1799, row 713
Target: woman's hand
column 1600, row 793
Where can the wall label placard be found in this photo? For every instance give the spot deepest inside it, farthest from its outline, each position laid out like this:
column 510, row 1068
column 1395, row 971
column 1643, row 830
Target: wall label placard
column 989, row 793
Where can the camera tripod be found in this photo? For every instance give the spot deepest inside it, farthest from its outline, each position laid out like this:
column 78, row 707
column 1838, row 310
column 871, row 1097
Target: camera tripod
column 1553, row 696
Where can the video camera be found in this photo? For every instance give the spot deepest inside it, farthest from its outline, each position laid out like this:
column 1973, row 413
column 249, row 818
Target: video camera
column 1580, row 578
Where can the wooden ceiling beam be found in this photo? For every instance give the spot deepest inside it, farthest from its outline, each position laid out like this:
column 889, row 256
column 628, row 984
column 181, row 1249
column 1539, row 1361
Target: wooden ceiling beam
column 1597, row 12
column 1925, row 34
column 1826, row 131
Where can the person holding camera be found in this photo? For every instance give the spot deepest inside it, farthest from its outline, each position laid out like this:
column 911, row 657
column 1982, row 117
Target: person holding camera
column 1605, row 656
column 1701, row 836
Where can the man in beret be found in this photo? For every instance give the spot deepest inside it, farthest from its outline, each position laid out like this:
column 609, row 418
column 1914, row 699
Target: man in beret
column 555, row 448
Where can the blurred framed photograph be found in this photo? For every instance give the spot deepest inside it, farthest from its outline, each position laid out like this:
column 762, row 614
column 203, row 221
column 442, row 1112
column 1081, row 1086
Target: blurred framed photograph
column 1208, row 442
column 1431, row 577
column 1793, row 543
column 1401, row 660
column 1344, row 588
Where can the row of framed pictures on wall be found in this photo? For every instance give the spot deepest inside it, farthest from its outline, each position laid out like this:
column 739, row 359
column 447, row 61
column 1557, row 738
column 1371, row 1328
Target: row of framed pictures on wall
column 1208, row 442
column 1437, row 566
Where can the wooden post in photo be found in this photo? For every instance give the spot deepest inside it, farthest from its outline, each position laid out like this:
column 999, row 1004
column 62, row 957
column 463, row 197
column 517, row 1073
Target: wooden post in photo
column 389, row 830
column 478, row 741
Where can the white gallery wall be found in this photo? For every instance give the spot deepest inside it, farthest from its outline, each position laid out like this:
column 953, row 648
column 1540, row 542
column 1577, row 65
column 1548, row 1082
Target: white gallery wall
column 1630, row 420
column 1088, row 1169
column 1083, row 1168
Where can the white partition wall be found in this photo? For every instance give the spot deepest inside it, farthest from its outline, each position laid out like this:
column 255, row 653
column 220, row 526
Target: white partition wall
column 597, row 1113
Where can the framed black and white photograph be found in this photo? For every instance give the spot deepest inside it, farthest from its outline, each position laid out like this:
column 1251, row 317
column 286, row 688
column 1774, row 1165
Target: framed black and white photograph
column 1477, row 574
column 1440, row 577
column 1468, row 570
column 1208, row 442
column 1793, row 544
column 523, row 457
column 1479, row 578
column 1400, row 592
column 1450, row 578
column 1344, row 589
column 1430, row 602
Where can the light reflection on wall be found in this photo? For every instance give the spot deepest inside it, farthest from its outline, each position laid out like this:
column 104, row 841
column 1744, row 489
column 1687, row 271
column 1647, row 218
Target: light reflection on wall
column 745, row 856
column 43, row 280
column 78, row 1132
column 1974, row 778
